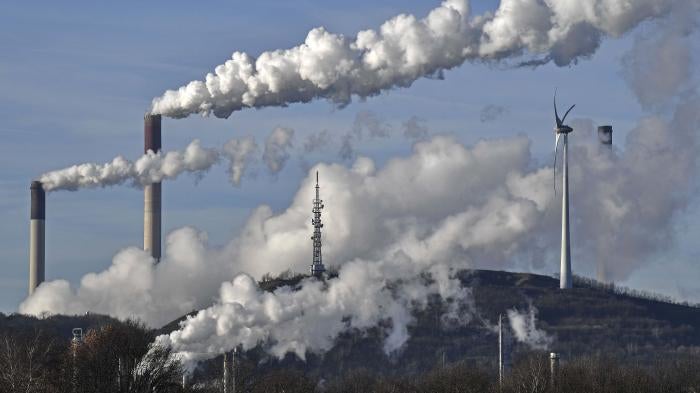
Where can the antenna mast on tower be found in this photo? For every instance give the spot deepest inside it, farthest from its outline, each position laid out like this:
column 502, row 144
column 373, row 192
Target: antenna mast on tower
column 317, row 268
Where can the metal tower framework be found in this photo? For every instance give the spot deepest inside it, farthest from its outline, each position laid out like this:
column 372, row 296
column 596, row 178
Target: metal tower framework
column 317, row 268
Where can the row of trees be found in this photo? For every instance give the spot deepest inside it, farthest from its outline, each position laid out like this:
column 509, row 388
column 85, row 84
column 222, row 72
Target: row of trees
column 119, row 357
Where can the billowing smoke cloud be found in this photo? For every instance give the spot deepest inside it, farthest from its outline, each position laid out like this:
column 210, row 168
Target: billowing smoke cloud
column 310, row 318
column 150, row 168
column 659, row 65
column 485, row 206
column 630, row 219
column 428, row 222
column 415, row 129
column 492, row 112
column 404, row 49
column 277, row 147
column 240, row 155
column 523, row 325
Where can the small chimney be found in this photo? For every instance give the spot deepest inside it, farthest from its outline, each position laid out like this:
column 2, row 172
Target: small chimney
column 37, row 236
column 152, row 192
column 553, row 368
column 605, row 135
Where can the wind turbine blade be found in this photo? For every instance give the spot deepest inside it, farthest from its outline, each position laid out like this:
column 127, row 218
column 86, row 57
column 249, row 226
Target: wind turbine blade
column 556, row 148
column 567, row 112
column 556, row 114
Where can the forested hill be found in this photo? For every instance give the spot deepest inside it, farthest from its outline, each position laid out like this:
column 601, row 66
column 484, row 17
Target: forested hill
column 590, row 319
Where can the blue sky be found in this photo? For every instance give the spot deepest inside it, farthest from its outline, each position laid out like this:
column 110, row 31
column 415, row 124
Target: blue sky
column 76, row 78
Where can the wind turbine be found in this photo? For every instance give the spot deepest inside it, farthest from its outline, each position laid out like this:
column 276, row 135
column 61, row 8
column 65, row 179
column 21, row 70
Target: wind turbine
column 562, row 130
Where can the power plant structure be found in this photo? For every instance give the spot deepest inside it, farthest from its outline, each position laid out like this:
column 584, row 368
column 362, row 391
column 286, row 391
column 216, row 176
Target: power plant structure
column 317, row 268
column 605, row 139
column 152, row 193
column 37, row 236
column 151, row 212
column 562, row 130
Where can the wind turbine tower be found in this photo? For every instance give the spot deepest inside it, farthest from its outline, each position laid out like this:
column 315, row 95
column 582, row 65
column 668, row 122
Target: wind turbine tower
column 317, row 268
column 563, row 131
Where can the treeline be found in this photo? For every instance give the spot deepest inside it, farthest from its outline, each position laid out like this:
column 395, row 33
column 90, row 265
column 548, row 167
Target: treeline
column 119, row 357
column 620, row 290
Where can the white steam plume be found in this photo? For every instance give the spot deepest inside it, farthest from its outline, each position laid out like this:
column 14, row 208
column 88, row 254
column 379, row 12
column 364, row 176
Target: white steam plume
column 277, row 147
column 428, row 222
column 481, row 206
column 659, row 66
column 404, row 49
column 240, row 155
column 432, row 221
column 150, row 168
column 523, row 325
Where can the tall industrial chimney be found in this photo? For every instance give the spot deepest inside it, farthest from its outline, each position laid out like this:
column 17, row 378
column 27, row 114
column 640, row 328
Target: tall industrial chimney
column 37, row 237
column 152, row 192
column 605, row 137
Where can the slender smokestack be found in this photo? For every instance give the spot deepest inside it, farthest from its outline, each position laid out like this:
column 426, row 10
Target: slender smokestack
column 503, row 350
column 605, row 137
column 37, row 237
column 152, row 192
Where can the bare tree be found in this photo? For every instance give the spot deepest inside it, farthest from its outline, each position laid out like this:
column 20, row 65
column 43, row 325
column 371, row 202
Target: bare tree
column 25, row 364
